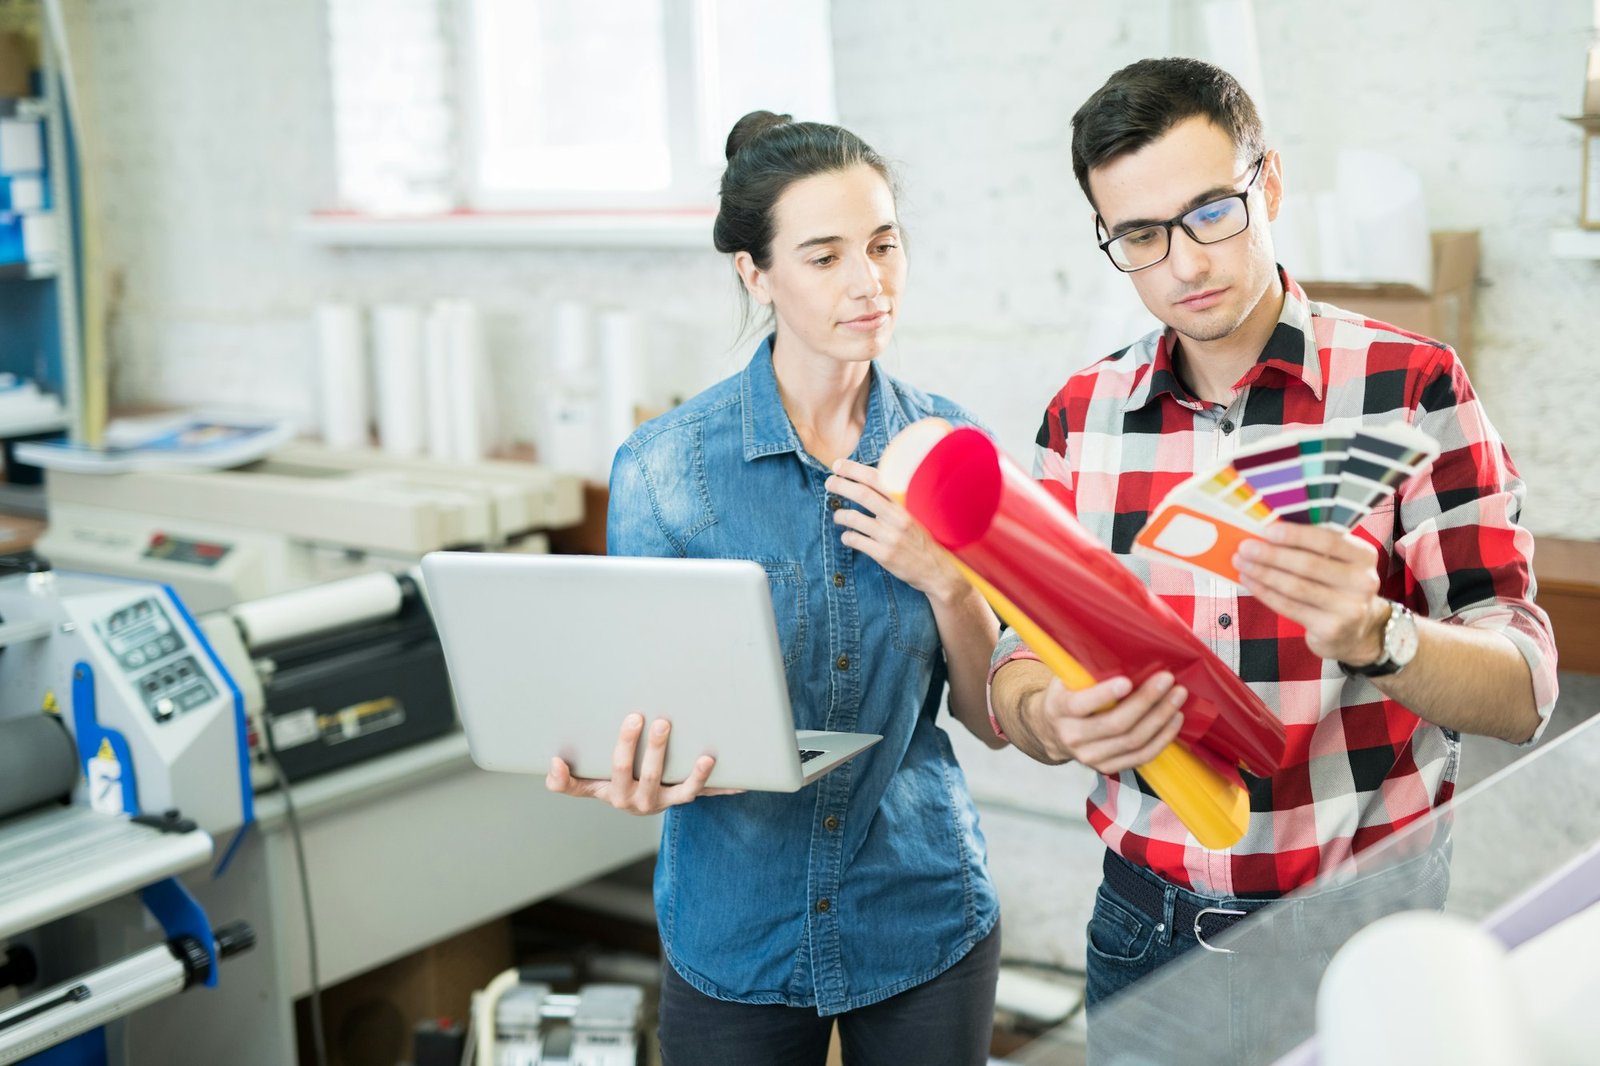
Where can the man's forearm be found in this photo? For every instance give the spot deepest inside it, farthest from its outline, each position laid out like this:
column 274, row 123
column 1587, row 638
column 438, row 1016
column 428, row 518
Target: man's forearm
column 1017, row 685
column 1469, row 680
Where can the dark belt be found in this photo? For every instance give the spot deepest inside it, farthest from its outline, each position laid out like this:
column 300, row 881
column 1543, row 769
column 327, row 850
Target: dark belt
column 1150, row 900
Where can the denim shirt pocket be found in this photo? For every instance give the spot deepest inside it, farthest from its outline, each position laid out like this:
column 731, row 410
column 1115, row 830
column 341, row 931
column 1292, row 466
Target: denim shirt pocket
column 911, row 619
column 788, row 586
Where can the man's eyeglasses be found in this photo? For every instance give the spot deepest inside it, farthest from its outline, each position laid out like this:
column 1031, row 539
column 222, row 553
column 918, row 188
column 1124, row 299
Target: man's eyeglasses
column 1207, row 224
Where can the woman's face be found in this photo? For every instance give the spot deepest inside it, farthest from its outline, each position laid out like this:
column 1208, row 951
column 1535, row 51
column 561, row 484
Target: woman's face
column 837, row 266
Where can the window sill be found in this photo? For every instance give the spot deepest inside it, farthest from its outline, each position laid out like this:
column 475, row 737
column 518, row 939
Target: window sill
column 1575, row 243
column 532, row 229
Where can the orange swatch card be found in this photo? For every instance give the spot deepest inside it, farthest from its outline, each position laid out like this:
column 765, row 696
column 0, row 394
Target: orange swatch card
column 1191, row 538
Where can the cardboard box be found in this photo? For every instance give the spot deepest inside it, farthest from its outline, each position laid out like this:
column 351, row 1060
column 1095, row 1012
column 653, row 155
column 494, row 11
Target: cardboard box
column 369, row 1018
column 1443, row 312
column 16, row 65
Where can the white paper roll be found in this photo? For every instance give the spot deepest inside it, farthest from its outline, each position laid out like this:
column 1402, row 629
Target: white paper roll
column 571, row 345
column 468, row 394
column 437, row 356
column 1420, row 987
column 342, row 398
column 397, row 360
column 568, row 442
column 620, row 390
column 318, row 609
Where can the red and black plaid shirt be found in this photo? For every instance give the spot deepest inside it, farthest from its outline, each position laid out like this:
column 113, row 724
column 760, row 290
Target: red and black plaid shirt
column 1124, row 432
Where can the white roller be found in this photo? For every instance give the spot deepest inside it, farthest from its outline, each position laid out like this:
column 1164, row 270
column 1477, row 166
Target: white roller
column 469, row 386
column 437, row 357
column 111, row 992
column 343, row 401
column 318, row 609
column 619, row 381
column 397, row 364
column 1420, row 987
column 571, row 344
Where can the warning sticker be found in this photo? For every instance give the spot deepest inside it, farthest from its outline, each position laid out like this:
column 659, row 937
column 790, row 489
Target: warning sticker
column 105, row 780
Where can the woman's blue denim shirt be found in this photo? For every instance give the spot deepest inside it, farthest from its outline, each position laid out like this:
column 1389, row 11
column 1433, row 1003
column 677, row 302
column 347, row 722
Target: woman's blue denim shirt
column 872, row 879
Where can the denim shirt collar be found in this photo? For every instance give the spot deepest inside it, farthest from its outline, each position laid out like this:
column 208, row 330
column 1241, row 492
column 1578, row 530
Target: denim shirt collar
column 768, row 431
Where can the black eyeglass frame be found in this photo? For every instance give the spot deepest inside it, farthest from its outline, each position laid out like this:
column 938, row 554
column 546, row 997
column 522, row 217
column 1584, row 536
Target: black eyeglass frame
column 1243, row 196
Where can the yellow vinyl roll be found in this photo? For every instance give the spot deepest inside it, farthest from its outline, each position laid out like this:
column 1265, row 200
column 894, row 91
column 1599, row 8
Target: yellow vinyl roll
column 1213, row 808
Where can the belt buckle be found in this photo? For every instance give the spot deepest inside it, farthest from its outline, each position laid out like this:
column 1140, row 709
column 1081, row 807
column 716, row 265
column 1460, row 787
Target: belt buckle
column 1201, row 913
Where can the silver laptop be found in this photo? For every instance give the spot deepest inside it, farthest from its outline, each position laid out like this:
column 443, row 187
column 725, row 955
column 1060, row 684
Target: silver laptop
column 548, row 653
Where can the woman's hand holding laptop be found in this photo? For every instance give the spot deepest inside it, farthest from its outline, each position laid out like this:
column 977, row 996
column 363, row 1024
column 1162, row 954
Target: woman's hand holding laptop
column 646, row 795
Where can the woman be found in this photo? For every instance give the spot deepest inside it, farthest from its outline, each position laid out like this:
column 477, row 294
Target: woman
column 864, row 896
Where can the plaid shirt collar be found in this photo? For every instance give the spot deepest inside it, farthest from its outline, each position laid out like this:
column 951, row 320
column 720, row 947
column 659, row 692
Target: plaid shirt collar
column 1291, row 353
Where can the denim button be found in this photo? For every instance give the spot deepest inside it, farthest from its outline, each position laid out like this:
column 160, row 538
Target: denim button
column 838, row 581
column 844, row 662
column 831, row 822
column 822, row 906
column 834, row 503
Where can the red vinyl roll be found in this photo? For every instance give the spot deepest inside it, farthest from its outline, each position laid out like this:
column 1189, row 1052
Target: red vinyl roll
column 1009, row 530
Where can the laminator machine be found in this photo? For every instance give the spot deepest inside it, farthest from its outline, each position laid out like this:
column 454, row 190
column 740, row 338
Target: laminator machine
column 118, row 772
column 307, row 551
column 314, row 639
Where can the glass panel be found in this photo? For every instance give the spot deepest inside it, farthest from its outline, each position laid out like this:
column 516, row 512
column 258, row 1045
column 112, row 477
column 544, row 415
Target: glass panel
column 571, row 95
column 392, row 117
column 762, row 56
column 1515, row 854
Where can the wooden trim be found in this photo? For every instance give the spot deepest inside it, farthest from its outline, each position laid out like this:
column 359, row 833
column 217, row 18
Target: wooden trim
column 1568, row 573
column 589, row 536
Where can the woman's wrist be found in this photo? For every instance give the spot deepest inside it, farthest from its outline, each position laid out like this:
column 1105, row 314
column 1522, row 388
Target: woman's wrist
column 953, row 591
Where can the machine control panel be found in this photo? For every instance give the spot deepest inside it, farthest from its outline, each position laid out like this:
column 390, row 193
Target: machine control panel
column 173, row 549
column 157, row 659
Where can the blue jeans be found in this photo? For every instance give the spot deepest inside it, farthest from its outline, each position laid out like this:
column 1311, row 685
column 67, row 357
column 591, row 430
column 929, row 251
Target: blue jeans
column 1254, row 1001
column 948, row 1020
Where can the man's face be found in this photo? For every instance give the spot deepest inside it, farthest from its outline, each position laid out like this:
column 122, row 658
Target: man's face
column 1204, row 291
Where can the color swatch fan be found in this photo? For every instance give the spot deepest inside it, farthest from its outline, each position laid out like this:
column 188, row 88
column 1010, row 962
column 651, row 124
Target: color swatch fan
column 1326, row 476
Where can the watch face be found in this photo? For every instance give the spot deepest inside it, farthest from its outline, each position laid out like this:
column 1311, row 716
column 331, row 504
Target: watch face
column 1400, row 636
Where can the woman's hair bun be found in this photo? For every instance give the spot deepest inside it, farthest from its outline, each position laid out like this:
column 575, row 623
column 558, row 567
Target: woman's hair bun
column 752, row 126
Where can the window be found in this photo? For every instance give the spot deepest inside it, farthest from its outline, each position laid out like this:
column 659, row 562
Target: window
column 561, row 105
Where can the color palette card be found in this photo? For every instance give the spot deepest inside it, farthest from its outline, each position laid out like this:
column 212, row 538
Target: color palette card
column 1331, row 475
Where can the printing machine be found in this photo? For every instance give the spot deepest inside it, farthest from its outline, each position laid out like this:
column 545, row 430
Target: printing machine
column 305, row 515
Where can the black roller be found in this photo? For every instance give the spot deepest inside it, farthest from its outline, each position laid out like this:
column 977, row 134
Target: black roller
column 38, row 762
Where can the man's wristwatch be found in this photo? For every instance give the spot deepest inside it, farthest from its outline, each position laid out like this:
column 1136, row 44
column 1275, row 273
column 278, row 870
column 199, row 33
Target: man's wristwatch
column 1399, row 645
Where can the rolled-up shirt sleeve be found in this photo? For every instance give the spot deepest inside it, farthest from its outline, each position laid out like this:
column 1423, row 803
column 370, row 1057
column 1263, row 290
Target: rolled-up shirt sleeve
column 1467, row 560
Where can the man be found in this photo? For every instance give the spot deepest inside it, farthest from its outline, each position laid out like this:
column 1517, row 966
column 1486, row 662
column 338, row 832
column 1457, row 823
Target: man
column 1376, row 649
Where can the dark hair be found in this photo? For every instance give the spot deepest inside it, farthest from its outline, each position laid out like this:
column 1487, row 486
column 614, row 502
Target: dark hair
column 1142, row 101
column 766, row 154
